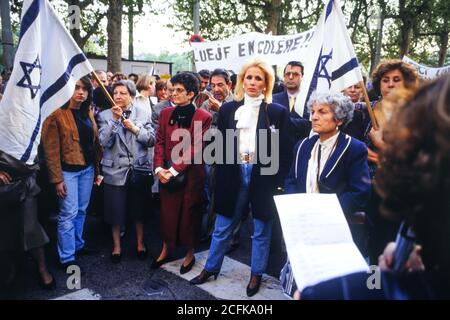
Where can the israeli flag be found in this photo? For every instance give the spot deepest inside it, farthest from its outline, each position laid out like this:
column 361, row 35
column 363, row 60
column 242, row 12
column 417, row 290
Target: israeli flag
column 47, row 65
column 331, row 64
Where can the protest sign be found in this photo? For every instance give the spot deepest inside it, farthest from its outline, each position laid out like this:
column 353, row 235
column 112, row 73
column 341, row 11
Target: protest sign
column 427, row 72
column 232, row 53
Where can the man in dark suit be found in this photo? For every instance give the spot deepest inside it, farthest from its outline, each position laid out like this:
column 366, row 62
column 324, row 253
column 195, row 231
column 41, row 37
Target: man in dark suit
column 293, row 75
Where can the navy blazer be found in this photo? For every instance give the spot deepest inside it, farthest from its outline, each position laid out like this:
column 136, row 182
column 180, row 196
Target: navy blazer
column 345, row 173
column 300, row 127
column 262, row 187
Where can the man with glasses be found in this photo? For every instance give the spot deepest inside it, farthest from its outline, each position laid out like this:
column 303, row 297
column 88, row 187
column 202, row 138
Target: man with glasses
column 293, row 75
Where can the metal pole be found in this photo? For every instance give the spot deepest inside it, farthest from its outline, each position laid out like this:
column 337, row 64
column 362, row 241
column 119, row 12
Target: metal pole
column 379, row 38
column 196, row 20
column 197, row 17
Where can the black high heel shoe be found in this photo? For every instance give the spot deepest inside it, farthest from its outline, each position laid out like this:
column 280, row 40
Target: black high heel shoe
column 188, row 268
column 142, row 254
column 156, row 264
column 116, row 257
column 203, row 276
column 253, row 285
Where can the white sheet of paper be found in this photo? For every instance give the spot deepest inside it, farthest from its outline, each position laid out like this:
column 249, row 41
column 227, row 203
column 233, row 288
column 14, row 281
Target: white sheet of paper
column 318, row 239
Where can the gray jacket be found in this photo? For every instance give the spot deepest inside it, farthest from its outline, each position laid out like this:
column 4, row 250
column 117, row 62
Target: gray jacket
column 122, row 148
column 156, row 110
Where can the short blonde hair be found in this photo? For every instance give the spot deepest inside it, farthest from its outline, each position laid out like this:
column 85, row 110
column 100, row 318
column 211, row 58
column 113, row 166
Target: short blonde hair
column 269, row 78
column 145, row 81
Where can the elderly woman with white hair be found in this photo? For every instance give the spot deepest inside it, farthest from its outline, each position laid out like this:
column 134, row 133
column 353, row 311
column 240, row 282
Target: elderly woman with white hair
column 329, row 162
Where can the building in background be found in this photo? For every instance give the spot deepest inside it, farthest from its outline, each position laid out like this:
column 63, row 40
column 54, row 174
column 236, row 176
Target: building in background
column 134, row 66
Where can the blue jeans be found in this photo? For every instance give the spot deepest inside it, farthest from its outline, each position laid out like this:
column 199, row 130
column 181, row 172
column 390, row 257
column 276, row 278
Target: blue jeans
column 72, row 212
column 224, row 227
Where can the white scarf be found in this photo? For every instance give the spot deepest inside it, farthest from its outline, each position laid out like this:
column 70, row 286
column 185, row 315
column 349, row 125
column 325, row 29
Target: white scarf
column 247, row 121
column 245, row 113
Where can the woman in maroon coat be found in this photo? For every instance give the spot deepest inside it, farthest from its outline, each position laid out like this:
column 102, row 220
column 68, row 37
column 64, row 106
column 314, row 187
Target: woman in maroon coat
column 181, row 203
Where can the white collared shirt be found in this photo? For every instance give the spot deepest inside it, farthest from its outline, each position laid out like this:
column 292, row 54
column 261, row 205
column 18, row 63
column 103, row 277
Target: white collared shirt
column 293, row 95
column 326, row 148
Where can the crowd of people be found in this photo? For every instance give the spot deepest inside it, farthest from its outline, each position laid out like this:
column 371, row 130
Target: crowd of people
column 394, row 171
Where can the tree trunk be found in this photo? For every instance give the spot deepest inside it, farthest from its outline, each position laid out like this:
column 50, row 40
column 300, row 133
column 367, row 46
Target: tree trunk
column 114, row 30
column 443, row 47
column 130, row 34
column 7, row 36
column 77, row 37
column 372, row 50
column 405, row 36
column 75, row 32
column 274, row 16
column 407, row 23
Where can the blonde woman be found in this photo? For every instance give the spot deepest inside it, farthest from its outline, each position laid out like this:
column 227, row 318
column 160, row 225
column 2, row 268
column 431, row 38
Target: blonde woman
column 243, row 182
column 146, row 90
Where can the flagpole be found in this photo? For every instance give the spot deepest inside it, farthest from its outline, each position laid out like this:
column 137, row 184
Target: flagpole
column 103, row 88
column 369, row 107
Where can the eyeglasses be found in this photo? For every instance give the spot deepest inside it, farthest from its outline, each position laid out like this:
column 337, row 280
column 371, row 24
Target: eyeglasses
column 178, row 90
column 293, row 74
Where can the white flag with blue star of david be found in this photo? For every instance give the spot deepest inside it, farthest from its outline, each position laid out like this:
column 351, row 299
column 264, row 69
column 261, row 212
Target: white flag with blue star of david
column 47, row 65
column 331, row 64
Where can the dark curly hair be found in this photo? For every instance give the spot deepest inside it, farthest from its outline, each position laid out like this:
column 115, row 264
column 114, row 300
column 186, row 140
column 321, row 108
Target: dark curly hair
column 414, row 175
column 188, row 80
column 410, row 75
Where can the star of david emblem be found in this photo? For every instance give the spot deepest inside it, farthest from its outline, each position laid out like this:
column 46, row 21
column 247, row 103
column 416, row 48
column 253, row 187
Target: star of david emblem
column 323, row 72
column 26, row 81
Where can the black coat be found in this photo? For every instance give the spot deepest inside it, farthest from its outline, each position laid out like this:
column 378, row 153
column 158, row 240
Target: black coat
column 262, row 187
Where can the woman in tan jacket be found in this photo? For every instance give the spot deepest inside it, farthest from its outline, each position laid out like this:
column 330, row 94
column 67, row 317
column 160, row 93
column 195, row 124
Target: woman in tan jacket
column 72, row 152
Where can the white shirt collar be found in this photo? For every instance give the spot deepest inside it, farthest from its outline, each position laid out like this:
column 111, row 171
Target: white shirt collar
column 295, row 95
column 330, row 141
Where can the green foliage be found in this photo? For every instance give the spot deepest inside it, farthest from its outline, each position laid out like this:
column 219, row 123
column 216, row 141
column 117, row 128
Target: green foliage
column 429, row 19
column 181, row 62
column 223, row 19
